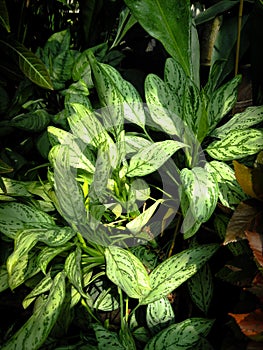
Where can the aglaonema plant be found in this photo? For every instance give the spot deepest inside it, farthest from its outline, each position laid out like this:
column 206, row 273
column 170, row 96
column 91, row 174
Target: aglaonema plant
column 86, row 238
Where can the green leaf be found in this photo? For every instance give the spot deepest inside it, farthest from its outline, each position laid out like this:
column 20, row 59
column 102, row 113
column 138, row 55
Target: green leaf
column 3, row 278
column 222, row 101
column 176, row 78
column 127, row 272
column 134, row 143
column 171, row 273
column 35, row 331
column 151, row 158
column 168, row 21
column 42, row 287
column 237, row 144
column 15, row 188
column 4, row 17
column 86, row 126
column 30, row 64
column 201, row 189
column 72, row 206
column 183, row 335
column 73, row 270
column 5, row 168
column 104, row 295
column 107, row 339
column 35, row 121
column 201, row 288
column 214, row 10
column 136, row 225
column 126, row 22
column 47, row 254
column 240, row 121
column 159, row 315
column 164, row 106
column 16, row 216
column 230, row 192
column 118, row 97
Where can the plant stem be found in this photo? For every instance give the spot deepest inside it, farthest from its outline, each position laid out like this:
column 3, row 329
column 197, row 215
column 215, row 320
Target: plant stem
column 239, row 23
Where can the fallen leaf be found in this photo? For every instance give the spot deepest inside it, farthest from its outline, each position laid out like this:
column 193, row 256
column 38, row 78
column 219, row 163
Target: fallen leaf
column 255, row 241
column 251, row 324
column 243, row 219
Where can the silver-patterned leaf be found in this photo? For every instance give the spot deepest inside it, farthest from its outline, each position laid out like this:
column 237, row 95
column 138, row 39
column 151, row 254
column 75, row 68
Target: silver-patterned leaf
column 201, row 288
column 171, row 273
column 221, row 101
column 17, row 216
column 15, row 188
column 119, row 97
column 183, row 335
column 47, row 254
column 151, row 158
column 164, row 108
column 42, row 287
column 134, row 143
column 107, row 339
column 159, row 315
column 201, row 189
column 127, row 272
column 230, row 192
column 237, row 144
column 37, row 328
column 240, row 121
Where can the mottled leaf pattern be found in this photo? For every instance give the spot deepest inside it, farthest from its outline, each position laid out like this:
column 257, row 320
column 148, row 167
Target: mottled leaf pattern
column 35, row 121
column 183, row 335
column 17, row 216
column 151, row 158
column 221, row 101
column 159, row 315
column 171, row 273
column 107, row 339
column 237, row 144
column 35, row 331
column 240, row 121
column 201, row 189
column 230, row 192
column 127, row 272
column 201, row 288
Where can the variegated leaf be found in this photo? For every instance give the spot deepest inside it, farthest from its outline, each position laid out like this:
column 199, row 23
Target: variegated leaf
column 159, row 315
column 183, row 335
column 47, row 254
column 237, row 144
column 134, row 143
column 73, row 270
column 35, row 121
column 119, row 97
column 3, row 278
column 127, row 272
column 201, row 189
column 136, row 225
column 230, row 192
column 175, row 77
column 201, row 288
column 221, row 101
column 35, row 331
column 71, row 206
column 171, row 273
column 17, row 216
column 15, row 188
column 104, row 295
column 151, row 158
column 240, row 121
column 42, row 287
column 107, row 339
column 86, row 126
column 164, row 108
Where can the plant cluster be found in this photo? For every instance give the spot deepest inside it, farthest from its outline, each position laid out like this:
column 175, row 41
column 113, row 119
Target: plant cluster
column 122, row 212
